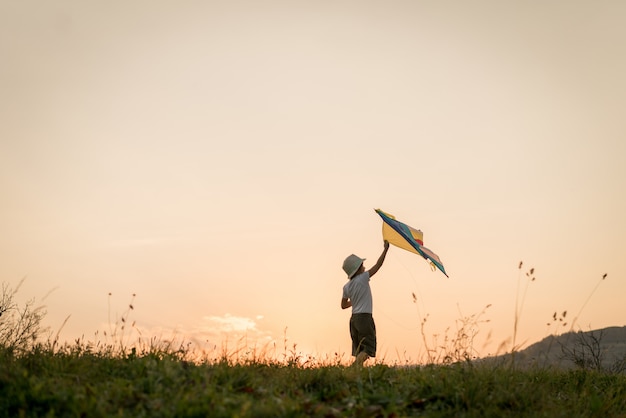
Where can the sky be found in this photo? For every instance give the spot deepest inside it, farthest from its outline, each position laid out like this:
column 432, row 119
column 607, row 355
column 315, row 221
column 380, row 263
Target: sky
column 218, row 160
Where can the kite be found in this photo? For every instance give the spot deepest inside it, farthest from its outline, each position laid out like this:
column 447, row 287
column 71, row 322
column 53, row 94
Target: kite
column 408, row 238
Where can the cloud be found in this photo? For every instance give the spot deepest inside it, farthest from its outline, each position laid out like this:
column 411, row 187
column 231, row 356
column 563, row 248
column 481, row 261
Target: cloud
column 229, row 323
column 216, row 329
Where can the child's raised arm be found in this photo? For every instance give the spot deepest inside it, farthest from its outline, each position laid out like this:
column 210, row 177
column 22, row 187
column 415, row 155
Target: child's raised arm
column 380, row 260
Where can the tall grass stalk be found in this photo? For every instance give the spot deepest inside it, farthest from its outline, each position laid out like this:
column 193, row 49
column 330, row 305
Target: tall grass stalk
column 519, row 305
column 587, row 300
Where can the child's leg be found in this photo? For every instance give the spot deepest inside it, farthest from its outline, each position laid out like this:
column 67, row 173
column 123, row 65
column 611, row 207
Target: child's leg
column 360, row 358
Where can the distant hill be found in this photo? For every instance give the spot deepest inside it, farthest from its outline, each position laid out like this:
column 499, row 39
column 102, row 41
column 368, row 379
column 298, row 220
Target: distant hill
column 602, row 349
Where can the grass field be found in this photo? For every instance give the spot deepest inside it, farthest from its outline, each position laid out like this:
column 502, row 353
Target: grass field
column 166, row 379
column 77, row 381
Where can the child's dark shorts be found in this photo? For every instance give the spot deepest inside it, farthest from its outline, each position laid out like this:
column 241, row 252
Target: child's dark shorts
column 363, row 333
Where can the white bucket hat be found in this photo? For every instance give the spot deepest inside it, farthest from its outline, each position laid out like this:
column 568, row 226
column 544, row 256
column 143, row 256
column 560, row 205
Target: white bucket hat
column 351, row 264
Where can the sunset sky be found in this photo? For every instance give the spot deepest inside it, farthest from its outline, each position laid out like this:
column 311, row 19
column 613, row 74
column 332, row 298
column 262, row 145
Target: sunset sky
column 220, row 159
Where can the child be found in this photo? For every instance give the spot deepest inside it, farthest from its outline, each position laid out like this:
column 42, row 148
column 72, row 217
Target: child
column 358, row 295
